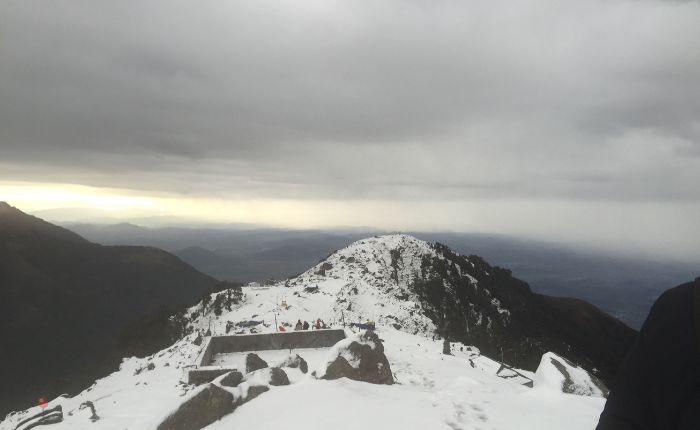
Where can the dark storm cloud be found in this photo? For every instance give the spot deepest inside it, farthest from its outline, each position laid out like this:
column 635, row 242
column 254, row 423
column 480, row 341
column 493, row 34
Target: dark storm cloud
column 592, row 100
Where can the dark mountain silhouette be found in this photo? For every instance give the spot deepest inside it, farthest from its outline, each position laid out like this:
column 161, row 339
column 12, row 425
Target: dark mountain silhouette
column 503, row 317
column 65, row 300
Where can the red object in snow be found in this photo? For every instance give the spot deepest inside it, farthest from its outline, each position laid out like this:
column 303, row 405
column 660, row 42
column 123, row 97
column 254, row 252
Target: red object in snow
column 43, row 402
column 282, row 328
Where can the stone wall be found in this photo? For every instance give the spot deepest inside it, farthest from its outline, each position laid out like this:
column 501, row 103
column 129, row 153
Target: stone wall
column 267, row 341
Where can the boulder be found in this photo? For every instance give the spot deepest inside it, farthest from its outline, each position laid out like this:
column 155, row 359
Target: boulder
column 253, row 362
column 203, row 408
column 341, row 368
column 296, row 362
column 278, row 377
column 253, row 392
column 267, row 376
column 232, row 379
column 360, row 358
column 559, row 374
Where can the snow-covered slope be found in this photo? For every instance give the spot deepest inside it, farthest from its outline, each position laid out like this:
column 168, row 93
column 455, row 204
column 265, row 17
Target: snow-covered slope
column 432, row 390
column 422, row 288
column 558, row 374
column 376, row 279
column 358, row 283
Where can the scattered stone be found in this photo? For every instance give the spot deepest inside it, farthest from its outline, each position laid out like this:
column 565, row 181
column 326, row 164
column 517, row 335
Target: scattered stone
column 232, row 379
column 340, row 368
column 253, row 362
column 151, row 366
column 89, row 404
column 371, row 365
column 278, row 377
column 253, row 392
column 324, row 267
column 296, row 362
column 202, row 409
column 267, row 376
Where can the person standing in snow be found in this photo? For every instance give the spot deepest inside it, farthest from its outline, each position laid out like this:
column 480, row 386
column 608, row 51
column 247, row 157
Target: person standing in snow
column 298, row 326
column 306, row 325
column 318, row 324
column 658, row 384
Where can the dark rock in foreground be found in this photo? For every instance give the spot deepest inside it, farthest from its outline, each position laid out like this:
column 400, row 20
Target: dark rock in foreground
column 253, row 362
column 278, row 377
column 371, row 364
column 202, row 409
column 340, row 368
column 253, row 392
column 232, row 379
column 295, row 361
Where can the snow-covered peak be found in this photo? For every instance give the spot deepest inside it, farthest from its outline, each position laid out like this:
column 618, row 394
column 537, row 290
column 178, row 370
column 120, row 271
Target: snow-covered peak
column 379, row 279
column 370, row 280
column 393, row 259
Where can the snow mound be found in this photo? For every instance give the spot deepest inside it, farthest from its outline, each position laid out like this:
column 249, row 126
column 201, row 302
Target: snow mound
column 559, row 374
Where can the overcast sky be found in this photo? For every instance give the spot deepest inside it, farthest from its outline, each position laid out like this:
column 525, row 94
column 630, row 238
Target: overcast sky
column 566, row 120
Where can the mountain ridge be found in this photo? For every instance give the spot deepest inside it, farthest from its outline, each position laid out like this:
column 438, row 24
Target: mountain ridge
column 403, row 282
column 63, row 301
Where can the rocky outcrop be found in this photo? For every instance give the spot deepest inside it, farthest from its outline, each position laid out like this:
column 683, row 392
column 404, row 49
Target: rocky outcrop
column 341, row 368
column 360, row 358
column 561, row 375
column 203, row 408
column 253, row 362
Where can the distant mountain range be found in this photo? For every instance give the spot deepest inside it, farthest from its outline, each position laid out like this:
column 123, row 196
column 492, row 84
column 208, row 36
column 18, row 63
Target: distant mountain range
column 622, row 286
column 65, row 300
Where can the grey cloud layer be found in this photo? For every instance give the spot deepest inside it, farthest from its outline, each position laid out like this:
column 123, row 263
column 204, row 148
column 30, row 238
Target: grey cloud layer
column 357, row 99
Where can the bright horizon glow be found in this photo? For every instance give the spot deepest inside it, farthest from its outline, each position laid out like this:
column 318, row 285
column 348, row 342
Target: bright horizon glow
column 608, row 226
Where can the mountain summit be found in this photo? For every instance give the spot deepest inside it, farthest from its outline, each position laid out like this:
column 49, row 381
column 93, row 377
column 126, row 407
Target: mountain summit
column 416, row 294
column 422, row 288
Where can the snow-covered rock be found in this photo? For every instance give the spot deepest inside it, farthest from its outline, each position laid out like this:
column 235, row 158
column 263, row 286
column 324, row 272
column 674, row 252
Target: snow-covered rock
column 560, row 375
column 268, row 376
column 208, row 404
column 360, row 358
column 253, row 362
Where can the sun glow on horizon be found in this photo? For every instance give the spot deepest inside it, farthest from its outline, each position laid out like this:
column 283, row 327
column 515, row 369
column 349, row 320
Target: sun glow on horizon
column 43, row 196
